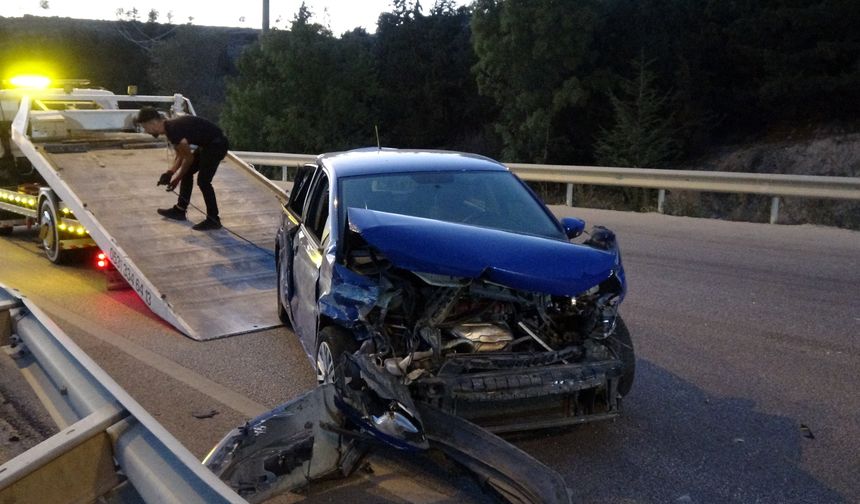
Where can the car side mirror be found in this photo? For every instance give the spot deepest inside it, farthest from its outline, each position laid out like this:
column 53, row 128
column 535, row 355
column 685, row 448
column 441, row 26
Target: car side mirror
column 573, row 227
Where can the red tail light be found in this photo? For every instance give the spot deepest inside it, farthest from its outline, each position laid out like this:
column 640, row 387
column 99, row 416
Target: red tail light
column 102, row 260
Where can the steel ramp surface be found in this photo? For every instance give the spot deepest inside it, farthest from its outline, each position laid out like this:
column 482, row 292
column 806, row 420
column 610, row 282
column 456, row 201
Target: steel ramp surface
column 215, row 282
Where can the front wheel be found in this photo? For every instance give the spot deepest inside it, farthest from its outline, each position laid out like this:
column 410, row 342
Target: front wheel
column 332, row 343
column 283, row 316
column 622, row 346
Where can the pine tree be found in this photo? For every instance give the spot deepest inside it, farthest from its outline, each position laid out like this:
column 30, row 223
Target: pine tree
column 643, row 134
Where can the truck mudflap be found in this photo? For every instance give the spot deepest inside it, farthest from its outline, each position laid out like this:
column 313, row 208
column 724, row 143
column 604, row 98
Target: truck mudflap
column 316, row 436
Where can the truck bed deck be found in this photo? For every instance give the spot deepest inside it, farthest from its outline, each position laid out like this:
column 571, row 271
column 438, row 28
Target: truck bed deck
column 219, row 283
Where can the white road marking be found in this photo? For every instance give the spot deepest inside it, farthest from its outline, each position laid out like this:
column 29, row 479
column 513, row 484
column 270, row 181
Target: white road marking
column 193, row 379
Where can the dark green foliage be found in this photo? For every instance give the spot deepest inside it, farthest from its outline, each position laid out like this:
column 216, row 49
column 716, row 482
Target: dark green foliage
column 302, row 91
column 642, row 136
column 530, row 59
column 809, row 56
column 643, row 133
column 546, row 70
column 737, row 68
column 181, row 64
column 423, row 65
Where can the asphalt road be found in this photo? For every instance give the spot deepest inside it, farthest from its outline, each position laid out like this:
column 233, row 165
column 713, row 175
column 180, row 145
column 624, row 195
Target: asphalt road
column 748, row 345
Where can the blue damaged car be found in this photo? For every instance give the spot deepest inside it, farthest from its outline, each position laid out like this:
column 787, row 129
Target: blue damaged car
column 440, row 278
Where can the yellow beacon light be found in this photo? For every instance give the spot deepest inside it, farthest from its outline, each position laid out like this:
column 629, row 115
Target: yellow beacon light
column 30, row 81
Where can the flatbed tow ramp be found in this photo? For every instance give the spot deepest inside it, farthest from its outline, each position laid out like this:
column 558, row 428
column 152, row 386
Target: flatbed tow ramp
column 207, row 284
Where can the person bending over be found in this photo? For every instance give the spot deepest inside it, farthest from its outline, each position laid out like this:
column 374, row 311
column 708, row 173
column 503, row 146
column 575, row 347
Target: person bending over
column 183, row 132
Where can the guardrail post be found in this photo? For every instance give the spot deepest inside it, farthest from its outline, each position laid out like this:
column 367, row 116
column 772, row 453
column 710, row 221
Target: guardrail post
column 568, row 199
column 284, row 173
column 774, row 209
column 661, row 198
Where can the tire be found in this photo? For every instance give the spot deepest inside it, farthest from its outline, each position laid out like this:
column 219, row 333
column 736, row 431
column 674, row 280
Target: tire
column 48, row 232
column 332, row 343
column 6, row 230
column 283, row 316
column 622, row 346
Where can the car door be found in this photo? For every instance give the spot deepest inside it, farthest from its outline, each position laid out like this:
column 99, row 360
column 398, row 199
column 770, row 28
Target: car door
column 307, row 259
column 291, row 219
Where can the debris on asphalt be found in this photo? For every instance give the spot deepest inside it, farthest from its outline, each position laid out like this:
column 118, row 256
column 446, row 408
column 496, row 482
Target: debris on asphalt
column 204, row 414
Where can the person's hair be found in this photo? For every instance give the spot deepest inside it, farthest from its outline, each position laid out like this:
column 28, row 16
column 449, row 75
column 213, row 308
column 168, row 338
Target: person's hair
column 147, row 114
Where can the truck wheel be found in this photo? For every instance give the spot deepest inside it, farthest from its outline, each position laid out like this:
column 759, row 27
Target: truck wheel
column 622, row 346
column 49, row 233
column 332, row 343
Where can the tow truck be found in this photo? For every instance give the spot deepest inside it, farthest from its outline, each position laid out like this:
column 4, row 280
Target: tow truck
column 74, row 165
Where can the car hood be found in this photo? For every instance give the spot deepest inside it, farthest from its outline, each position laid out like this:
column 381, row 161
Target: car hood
column 518, row 261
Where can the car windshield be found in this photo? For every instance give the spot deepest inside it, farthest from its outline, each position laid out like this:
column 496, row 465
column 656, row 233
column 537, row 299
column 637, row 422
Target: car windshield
column 491, row 199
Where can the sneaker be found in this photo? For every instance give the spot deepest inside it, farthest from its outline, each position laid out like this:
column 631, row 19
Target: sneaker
column 173, row 212
column 208, row 224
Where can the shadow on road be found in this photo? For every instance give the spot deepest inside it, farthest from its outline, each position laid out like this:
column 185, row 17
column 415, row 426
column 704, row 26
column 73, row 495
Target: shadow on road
column 678, row 443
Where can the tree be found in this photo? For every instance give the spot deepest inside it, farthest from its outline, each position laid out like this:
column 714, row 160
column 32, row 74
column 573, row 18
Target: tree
column 144, row 35
column 423, row 66
column 529, row 57
column 807, row 57
column 181, row 64
column 643, row 134
column 303, row 90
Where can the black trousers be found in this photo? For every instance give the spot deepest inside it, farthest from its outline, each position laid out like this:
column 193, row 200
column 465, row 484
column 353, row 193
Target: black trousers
column 205, row 164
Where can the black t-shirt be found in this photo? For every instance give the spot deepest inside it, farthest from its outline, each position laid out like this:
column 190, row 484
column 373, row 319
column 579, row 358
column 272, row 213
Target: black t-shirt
column 195, row 130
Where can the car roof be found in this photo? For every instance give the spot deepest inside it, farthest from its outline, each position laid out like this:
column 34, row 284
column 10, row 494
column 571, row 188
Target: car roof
column 371, row 161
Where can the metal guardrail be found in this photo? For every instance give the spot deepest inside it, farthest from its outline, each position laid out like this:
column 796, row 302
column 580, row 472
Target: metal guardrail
column 805, row 186
column 774, row 185
column 101, row 425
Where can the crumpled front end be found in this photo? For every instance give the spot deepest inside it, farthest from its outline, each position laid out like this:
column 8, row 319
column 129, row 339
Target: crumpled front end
column 480, row 344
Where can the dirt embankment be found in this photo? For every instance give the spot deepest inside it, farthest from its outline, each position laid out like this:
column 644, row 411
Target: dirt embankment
column 24, row 423
column 821, row 152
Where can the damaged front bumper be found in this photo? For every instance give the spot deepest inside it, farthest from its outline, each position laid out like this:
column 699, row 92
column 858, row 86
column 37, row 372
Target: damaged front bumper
column 519, row 399
column 314, row 437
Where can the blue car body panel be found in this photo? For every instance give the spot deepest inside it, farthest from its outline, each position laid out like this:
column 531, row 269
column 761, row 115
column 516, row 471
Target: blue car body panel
column 349, row 296
column 523, row 262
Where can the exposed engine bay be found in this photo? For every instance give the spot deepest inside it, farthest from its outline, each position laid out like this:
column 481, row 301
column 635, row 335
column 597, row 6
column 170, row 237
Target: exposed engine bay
column 468, row 346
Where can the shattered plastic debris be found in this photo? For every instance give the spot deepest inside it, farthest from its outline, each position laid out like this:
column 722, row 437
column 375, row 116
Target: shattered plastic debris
column 318, row 435
column 204, row 414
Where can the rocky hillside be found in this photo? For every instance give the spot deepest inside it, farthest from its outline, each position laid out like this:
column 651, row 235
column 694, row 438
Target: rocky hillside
column 833, row 151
